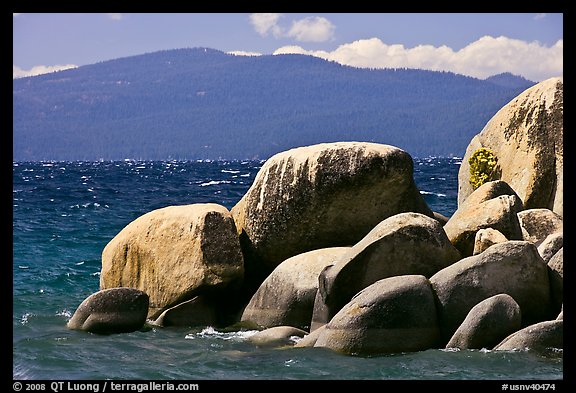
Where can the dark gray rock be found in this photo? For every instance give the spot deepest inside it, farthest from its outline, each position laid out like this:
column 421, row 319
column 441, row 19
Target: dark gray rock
column 556, row 274
column 404, row 244
column 488, row 323
column 287, row 295
column 393, row 315
column 514, row 268
column 540, row 337
column 113, row 310
column 191, row 313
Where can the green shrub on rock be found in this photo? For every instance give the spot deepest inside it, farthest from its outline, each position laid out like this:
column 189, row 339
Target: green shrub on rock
column 482, row 165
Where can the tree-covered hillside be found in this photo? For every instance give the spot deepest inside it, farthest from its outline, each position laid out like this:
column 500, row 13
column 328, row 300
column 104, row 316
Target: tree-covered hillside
column 205, row 104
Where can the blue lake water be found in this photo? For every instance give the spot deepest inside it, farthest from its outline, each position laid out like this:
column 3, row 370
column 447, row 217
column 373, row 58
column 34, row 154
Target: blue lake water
column 64, row 213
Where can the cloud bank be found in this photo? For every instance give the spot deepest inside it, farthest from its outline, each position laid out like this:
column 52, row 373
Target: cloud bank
column 482, row 58
column 310, row 29
column 18, row 72
column 114, row 16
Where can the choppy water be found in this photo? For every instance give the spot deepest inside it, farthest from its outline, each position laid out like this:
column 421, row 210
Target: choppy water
column 64, row 213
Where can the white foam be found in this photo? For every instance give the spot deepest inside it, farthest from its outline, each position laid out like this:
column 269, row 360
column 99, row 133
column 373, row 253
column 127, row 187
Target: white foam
column 210, row 332
column 215, row 182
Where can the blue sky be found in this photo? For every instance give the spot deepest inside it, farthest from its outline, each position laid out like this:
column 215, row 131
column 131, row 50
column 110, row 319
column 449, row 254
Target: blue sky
column 474, row 44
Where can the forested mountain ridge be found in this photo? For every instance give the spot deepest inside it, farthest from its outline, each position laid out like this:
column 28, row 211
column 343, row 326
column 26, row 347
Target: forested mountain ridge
column 201, row 103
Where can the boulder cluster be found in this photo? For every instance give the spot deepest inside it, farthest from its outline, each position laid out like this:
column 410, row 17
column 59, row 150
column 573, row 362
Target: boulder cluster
column 334, row 244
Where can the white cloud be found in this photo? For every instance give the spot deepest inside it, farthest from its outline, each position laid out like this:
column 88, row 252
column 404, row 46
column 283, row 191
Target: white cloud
column 310, row 29
column 15, row 14
column 482, row 58
column 114, row 16
column 539, row 16
column 18, row 72
column 265, row 23
column 244, row 53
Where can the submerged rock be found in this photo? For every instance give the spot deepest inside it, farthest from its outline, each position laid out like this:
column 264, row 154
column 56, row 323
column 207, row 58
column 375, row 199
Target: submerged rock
column 277, row 336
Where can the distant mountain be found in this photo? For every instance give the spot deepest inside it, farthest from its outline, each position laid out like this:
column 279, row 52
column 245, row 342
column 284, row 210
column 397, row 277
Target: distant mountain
column 507, row 79
column 205, row 104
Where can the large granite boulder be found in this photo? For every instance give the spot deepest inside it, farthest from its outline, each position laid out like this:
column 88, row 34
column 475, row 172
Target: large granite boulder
column 537, row 224
column 113, row 310
column 404, row 244
column 175, row 253
column 393, row 315
column 526, row 136
column 488, row 323
column 493, row 205
column 540, row 337
column 514, row 268
column 321, row 196
column 287, row 295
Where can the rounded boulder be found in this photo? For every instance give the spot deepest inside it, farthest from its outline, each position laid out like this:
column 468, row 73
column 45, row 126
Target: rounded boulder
column 113, row 310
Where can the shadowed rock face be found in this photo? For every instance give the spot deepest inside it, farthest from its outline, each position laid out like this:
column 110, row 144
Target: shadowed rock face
column 287, row 295
column 488, row 323
column 541, row 337
column 556, row 275
column 406, row 243
column 174, row 254
column 322, row 196
column 514, row 268
column 526, row 136
column 393, row 315
column 114, row 310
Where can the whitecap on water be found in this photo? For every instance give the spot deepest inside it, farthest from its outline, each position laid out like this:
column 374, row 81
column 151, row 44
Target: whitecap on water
column 215, row 182
column 210, row 332
column 24, row 318
column 440, row 195
column 64, row 313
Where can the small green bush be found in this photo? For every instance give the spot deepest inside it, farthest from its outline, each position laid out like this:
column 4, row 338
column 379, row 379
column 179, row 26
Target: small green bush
column 482, row 164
